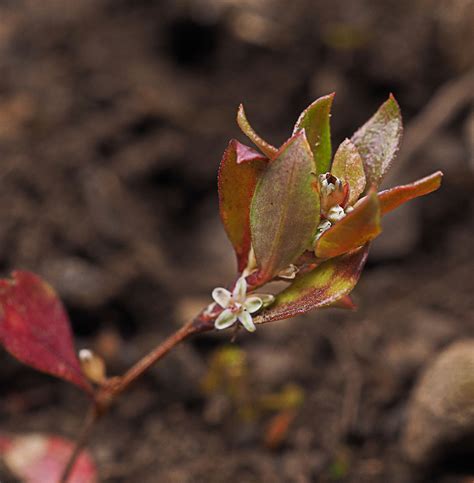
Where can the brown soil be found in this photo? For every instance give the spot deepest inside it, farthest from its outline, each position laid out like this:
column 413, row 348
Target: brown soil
column 113, row 118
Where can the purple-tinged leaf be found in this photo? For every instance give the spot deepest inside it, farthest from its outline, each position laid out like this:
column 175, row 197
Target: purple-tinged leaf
column 354, row 230
column 239, row 171
column 394, row 197
column 35, row 329
column 315, row 121
column 348, row 167
column 324, row 286
column 248, row 130
column 378, row 140
column 285, row 208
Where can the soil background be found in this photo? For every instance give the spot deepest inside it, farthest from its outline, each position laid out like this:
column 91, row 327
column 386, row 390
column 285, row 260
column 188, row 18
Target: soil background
column 113, row 118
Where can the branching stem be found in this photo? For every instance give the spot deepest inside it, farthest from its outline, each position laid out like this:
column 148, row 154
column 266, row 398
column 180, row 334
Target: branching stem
column 115, row 386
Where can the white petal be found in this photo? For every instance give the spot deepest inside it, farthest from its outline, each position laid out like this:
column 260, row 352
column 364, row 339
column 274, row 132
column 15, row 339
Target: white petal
column 210, row 308
column 289, row 272
column 336, row 213
column 322, row 227
column 253, row 303
column 246, row 320
column 226, row 319
column 240, row 290
column 222, row 297
column 266, row 298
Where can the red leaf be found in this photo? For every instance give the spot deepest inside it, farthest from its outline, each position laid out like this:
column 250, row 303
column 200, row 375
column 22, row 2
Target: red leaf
column 238, row 175
column 35, row 329
column 394, row 197
column 248, row 130
column 37, row 458
column 322, row 287
column 354, row 230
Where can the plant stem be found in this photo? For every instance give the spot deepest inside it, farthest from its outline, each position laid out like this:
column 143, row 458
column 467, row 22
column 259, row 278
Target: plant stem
column 107, row 393
column 87, row 426
column 155, row 355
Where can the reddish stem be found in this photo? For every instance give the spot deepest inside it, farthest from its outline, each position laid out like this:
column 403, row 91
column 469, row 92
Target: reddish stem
column 155, row 355
column 111, row 389
column 81, row 441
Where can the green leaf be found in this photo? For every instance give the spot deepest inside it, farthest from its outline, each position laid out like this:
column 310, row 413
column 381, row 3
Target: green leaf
column 315, row 121
column 354, row 230
column 324, row 286
column 348, row 167
column 378, row 140
column 285, row 208
column 394, row 197
column 248, row 130
column 237, row 179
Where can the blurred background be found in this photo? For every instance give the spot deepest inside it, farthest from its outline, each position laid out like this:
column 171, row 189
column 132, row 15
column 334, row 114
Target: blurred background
column 113, row 117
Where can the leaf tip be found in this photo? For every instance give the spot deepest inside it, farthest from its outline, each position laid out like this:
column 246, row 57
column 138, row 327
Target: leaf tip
column 394, row 108
column 248, row 130
column 240, row 111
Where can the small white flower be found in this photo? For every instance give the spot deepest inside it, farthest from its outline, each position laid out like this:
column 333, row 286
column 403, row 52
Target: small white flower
column 332, row 192
column 322, row 227
column 238, row 306
column 336, row 213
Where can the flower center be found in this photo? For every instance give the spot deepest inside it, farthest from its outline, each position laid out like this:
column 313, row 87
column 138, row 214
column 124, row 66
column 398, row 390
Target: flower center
column 235, row 306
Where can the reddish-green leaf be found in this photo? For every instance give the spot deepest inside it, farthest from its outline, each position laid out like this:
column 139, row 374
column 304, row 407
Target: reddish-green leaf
column 39, row 458
column 354, row 230
column 378, row 140
column 35, row 329
column 348, row 166
column 238, row 175
column 285, row 208
column 315, row 121
column 394, row 197
column 248, row 130
column 324, row 286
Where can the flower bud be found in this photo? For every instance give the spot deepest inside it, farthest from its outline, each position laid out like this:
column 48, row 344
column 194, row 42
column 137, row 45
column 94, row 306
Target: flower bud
column 332, row 192
column 92, row 365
